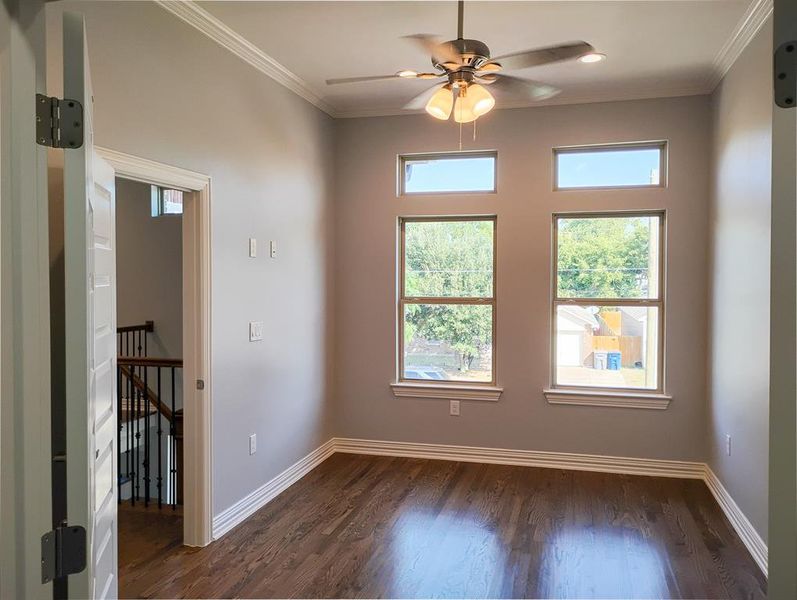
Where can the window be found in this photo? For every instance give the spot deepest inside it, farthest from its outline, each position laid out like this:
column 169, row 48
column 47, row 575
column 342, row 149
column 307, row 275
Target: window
column 447, row 299
column 446, row 173
column 166, row 201
column 611, row 166
column 608, row 307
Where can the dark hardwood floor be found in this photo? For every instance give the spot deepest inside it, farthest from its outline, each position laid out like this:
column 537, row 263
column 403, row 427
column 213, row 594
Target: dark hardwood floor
column 378, row 527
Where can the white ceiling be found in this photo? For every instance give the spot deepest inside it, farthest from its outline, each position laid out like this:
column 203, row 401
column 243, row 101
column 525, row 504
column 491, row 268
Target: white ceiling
column 654, row 47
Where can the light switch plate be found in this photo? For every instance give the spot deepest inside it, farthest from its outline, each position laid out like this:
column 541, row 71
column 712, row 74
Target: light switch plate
column 252, row 248
column 252, row 444
column 255, row 331
column 454, row 408
column 273, row 248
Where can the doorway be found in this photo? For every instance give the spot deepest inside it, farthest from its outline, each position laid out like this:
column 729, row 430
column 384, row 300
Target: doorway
column 149, row 371
column 163, row 338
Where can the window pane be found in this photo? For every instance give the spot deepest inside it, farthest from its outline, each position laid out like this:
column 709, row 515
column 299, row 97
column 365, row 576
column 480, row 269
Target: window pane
column 448, row 258
column 460, row 174
column 608, row 257
column 633, row 166
column 172, row 202
column 607, row 346
column 452, row 342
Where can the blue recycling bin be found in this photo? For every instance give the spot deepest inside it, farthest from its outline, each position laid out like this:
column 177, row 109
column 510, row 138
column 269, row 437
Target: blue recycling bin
column 614, row 361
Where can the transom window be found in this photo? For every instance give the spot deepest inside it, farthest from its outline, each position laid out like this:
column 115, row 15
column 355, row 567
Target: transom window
column 446, row 308
column 608, row 306
column 638, row 164
column 454, row 172
column 165, row 201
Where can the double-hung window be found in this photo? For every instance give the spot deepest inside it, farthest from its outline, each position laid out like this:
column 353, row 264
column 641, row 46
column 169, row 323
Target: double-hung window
column 608, row 301
column 446, row 307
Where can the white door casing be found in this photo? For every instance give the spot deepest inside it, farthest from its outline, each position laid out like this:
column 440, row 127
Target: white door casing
column 90, row 307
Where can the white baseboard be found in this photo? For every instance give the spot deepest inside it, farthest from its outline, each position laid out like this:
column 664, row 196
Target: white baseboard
column 755, row 545
column 525, row 458
column 247, row 506
column 238, row 512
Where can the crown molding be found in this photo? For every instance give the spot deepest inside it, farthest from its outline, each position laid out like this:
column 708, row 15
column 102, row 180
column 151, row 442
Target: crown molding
column 202, row 20
column 562, row 100
column 749, row 25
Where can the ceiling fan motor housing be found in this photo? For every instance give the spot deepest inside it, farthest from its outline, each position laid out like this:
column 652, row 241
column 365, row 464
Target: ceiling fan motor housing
column 472, row 53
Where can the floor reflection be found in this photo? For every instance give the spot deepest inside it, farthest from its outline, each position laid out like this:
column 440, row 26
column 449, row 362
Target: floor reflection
column 602, row 562
column 444, row 555
column 462, row 554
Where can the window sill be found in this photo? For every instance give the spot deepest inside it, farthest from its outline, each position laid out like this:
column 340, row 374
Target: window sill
column 446, row 391
column 608, row 399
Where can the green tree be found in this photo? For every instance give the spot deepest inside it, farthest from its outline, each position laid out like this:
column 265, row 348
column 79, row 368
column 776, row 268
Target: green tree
column 604, row 257
column 450, row 259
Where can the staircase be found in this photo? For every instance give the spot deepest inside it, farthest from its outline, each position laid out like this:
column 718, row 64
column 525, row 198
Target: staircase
column 150, row 422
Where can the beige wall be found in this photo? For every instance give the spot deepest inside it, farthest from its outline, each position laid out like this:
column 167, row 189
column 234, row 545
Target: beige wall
column 738, row 399
column 149, row 269
column 166, row 92
column 365, row 268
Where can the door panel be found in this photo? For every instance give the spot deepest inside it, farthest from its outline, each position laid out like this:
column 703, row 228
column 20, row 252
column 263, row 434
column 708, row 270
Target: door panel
column 90, row 273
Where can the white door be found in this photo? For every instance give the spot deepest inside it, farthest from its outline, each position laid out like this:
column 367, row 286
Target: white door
column 90, row 298
column 25, row 457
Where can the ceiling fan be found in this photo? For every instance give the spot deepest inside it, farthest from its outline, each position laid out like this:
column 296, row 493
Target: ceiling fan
column 467, row 67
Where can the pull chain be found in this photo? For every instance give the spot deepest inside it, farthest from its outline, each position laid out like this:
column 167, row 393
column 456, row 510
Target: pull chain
column 474, row 129
column 460, row 136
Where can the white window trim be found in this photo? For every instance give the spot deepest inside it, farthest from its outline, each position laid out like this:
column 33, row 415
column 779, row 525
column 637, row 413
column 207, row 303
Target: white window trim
column 402, row 300
column 431, row 156
column 601, row 396
column 613, row 399
column 446, row 391
column 660, row 145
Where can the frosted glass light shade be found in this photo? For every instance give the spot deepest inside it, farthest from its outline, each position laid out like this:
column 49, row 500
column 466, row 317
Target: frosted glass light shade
column 440, row 105
column 472, row 103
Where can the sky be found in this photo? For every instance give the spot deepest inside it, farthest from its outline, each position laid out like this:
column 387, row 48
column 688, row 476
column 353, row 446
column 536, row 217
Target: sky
column 608, row 168
column 575, row 169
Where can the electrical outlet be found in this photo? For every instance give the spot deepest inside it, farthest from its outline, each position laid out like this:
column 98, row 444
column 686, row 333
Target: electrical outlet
column 454, row 408
column 252, row 248
column 273, row 248
column 728, row 444
column 252, row 444
column 255, row 331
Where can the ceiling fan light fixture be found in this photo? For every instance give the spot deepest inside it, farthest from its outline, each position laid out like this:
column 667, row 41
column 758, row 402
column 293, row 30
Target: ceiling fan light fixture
column 591, row 57
column 473, row 102
column 407, row 74
column 441, row 103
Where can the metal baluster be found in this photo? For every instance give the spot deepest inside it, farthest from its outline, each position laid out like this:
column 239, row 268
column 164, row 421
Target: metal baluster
column 139, row 342
column 160, row 437
column 137, row 460
column 174, row 450
column 127, row 343
column 146, row 436
column 128, row 432
column 145, row 342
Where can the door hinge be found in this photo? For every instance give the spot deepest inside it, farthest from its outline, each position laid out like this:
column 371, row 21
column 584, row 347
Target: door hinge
column 785, row 64
column 59, row 123
column 63, row 552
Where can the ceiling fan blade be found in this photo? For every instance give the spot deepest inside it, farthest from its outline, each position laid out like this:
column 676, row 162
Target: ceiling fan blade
column 361, row 79
column 399, row 75
column 420, row 101
column 518, row 86
column 542, row 56
column 441, row 52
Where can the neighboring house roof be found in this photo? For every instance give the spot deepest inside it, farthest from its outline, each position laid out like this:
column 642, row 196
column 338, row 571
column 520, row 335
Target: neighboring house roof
column 578, row 315
column 640, row 313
